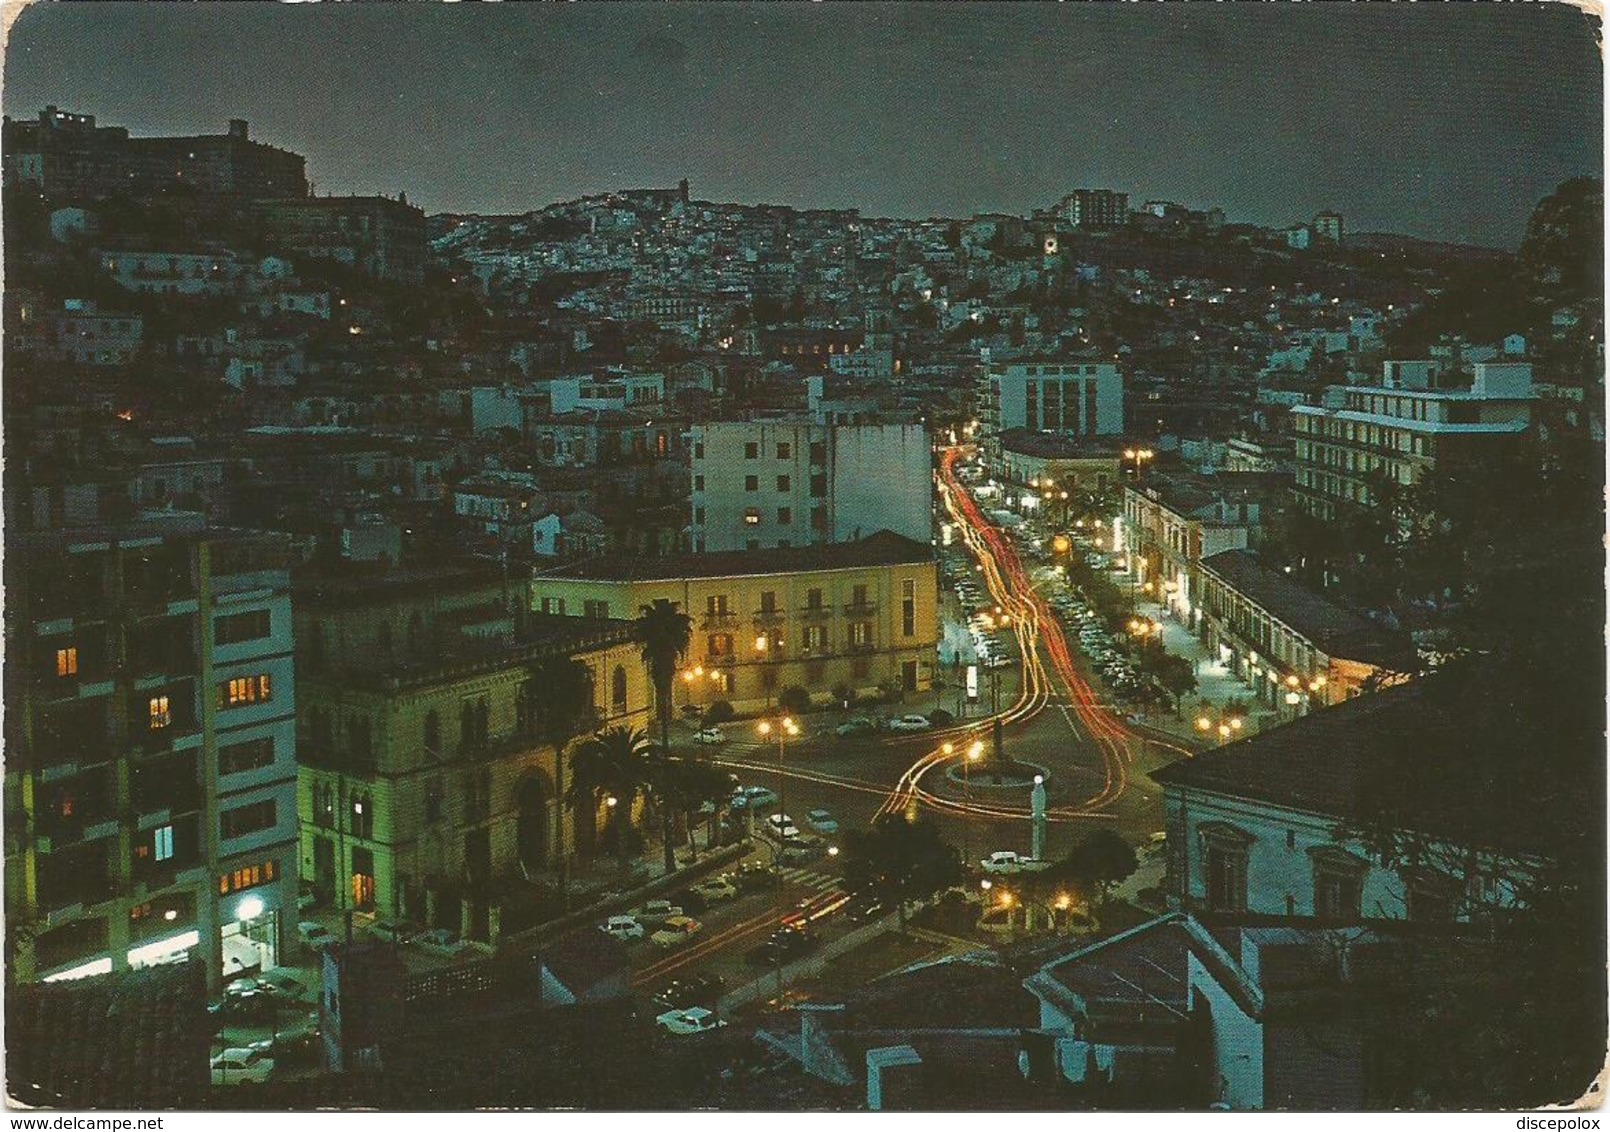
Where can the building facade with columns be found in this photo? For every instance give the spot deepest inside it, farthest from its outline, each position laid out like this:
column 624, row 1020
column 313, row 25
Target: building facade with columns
column 861, row 616
column 425, row 786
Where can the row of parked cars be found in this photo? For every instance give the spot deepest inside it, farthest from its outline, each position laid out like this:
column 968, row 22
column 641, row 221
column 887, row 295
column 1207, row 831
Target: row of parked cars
column 436, row 941
column 260, row 1002
column 995, row 644
column 1099, row 645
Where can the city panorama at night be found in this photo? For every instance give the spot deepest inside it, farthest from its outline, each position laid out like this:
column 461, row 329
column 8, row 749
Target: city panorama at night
column 802, row 558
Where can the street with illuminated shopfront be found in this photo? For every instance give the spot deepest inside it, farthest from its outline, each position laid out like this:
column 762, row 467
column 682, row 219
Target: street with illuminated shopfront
column 1054, row 720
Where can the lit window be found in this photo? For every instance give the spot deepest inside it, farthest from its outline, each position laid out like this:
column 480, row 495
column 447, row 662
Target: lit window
column 162, row 842
column 67, row 662
column 752, row 516
column 244, row 690
column 161, row 714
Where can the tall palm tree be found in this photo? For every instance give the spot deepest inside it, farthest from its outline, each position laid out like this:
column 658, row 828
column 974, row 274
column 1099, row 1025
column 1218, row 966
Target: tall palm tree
column 561, row 707
column 612, row 763
column 663, row 633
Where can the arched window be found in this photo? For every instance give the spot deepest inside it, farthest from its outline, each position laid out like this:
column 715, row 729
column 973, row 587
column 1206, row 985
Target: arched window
column 324, row 804
column 362, row 817
column 433, row 732
column 618, row 689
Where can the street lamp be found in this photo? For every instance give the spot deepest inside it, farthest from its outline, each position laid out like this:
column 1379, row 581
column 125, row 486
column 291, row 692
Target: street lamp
column 784, row 727
column 1225, row 725
column 975, row 751
column 690, row 677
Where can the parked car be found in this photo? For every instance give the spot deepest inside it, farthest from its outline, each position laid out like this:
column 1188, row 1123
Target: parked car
column 694, row 990
column 755, row 874
column 855, row 726
column 623, row 928
column 822, row 821
column 244, row 986
column 314, row 934
column 710, row 736
column 676, row 931
column 441, row 941
column 909, row 723
column 246, row 1007
column 715, row 889
column 1004, row 861
column 241, row 1067
column 693, row 1020
column 283, row 987
column 782, row 827
column 393, row 931
column 300, row 1041
column 656, row 912
column 753, row 798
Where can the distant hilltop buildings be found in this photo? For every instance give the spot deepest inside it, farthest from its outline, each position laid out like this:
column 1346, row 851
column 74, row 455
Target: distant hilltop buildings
column 72, row 160
column 76, row 165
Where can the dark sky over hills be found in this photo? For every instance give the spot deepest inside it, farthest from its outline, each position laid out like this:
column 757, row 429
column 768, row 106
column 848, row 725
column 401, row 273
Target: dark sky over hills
column 1444, row 121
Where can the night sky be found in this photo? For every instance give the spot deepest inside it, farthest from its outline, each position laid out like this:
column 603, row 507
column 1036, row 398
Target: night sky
column 1444, row 121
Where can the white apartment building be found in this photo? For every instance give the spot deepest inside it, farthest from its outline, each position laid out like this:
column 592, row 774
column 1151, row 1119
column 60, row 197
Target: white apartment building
column 1062, row 397
column 1403, row 428
column 764, row 484
column 617, row 389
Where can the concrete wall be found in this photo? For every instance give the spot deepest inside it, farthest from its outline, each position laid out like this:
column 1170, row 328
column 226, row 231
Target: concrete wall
column 1236, row 1058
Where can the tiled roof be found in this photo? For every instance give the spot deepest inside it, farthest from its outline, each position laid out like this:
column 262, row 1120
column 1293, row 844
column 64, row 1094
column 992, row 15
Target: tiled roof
column 885, row 548
column 1428, row 754
column 1337, row 631
column 132, row 1041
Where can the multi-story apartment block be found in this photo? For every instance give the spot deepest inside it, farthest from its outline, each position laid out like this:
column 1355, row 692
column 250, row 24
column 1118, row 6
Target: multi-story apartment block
column 1398, row 431
column 1095, row 208
column 68, row 158
column 1060, row 396
column 790, row 483
column 424, row 782
column 381, row 237
column 857, row 615
column 150, row 731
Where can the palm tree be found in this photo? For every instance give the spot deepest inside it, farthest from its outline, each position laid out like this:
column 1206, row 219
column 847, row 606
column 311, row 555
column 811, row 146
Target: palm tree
column 559, row 695
column 612, row 764
column 695, row 784
column 663, row 632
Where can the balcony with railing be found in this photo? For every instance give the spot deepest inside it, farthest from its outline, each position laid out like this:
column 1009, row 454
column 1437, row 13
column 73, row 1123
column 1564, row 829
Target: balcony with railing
column 768, row 616
column 864, row 607
column 720, row 619
column 816, row 613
